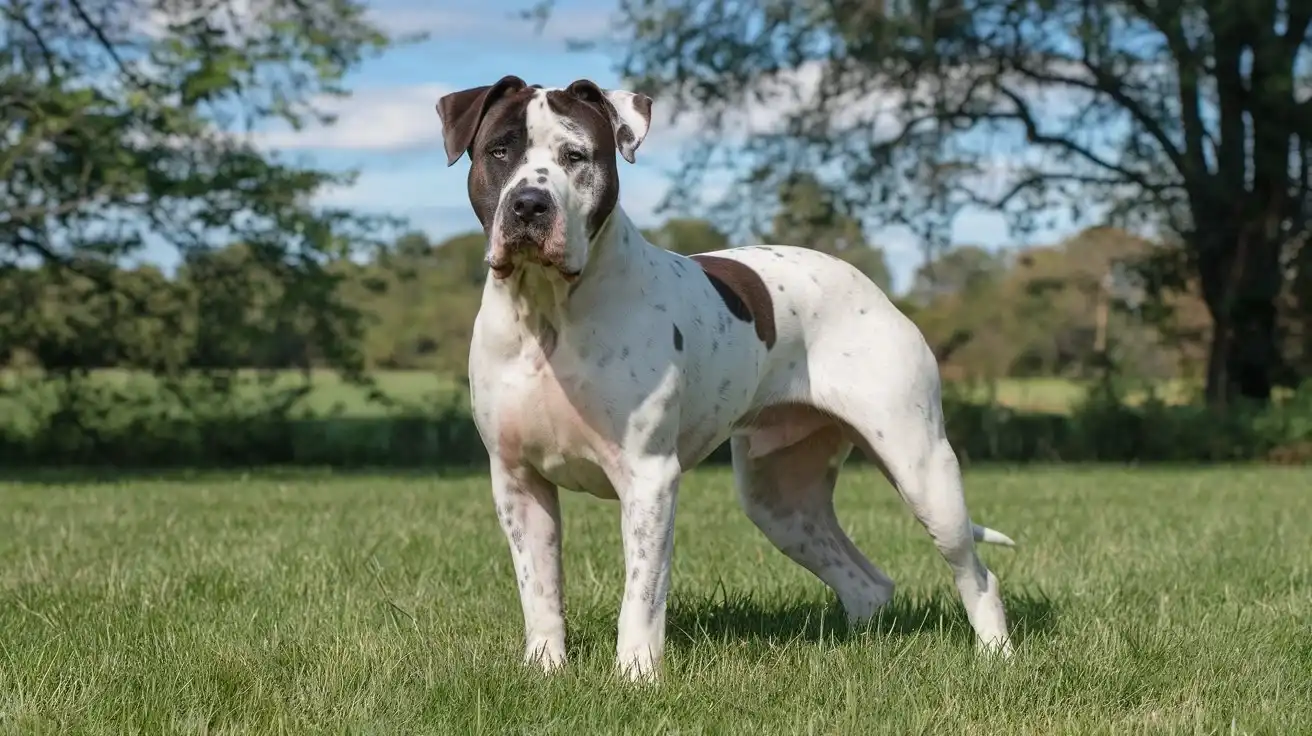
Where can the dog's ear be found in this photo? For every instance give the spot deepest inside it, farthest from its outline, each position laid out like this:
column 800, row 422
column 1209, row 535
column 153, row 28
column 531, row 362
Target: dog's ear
column 462, row 112
column 629, row 113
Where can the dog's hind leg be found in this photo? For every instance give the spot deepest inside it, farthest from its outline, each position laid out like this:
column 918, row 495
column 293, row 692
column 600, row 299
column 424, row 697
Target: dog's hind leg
column 788, row 493
column 923, row 467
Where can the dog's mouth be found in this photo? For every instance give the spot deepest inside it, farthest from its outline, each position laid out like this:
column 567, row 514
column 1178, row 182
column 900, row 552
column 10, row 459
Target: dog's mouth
column 503, row 271
column 503, row 261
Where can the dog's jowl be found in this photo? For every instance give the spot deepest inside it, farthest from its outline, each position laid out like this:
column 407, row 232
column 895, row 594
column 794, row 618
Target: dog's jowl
column 791, row 355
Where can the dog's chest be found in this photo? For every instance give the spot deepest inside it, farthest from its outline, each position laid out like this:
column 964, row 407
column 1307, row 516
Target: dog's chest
column 540, row 409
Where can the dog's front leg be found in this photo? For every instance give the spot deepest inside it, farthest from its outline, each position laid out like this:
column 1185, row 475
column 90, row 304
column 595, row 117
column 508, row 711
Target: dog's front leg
column 528, row 507
column 647, row 527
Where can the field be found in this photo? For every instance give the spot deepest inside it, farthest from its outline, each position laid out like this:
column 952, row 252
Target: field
column 330, row 395
column 1142, row 600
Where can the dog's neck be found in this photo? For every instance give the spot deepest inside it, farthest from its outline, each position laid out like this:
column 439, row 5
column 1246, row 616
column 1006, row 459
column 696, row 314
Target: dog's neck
column 540, row 297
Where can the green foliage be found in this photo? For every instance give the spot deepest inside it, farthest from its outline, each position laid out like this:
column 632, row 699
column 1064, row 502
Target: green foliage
column 1105, row 427
column 127, row 127
column 219, row 419
column 270, row 418
column 1061, row 310
column 225, row 365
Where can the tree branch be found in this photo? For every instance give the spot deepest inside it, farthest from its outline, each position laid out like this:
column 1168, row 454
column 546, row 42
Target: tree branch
column 23, row 216
column 107, row 44
column 1111, row 86
column 1032, row 133
column 46, row 54
column 1036, row 180
column 1169, row 22
column 1299, row 21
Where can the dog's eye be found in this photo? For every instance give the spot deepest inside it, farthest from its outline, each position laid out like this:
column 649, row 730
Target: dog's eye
column 498, row 152
column 574, row 156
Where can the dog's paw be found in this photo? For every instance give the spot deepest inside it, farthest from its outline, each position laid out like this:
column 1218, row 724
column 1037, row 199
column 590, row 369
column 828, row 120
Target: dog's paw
column 638, row 666
column 998, row 648
column 548, row 656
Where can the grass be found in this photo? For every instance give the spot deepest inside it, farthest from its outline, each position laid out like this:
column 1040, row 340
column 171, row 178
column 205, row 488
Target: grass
column 1142, row 601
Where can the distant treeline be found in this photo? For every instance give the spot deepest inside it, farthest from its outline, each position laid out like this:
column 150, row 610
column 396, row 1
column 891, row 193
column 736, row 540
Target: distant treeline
column 1072, row 310
column 215, row 361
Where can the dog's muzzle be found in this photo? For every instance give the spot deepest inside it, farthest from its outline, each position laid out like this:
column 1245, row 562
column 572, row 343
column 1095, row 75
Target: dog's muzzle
column 531, row 227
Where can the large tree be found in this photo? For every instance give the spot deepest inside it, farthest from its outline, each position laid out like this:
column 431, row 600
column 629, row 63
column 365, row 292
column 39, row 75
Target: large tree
column 1188, row 117
column 127, row 133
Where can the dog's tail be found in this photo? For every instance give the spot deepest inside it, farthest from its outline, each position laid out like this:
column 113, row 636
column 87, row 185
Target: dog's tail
column 991, row 536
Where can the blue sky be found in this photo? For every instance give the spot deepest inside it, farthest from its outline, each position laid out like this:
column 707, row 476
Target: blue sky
column 389, row 131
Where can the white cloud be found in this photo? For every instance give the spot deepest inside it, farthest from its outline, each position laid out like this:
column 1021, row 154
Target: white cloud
column 800, row 89
column 771, row 107
column 403, row 117
column 400, row 18
column 378, row 119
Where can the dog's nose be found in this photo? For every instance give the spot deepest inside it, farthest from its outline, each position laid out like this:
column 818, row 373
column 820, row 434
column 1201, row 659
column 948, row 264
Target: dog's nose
column 531, row 204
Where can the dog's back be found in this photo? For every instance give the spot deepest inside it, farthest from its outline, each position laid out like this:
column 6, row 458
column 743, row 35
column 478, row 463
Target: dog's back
column 832, row 326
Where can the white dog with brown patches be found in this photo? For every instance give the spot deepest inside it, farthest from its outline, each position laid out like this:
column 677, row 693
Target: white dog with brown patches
column 604, row 364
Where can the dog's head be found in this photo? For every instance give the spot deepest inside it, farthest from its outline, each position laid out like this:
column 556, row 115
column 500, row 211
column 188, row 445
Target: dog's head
column 542, row 175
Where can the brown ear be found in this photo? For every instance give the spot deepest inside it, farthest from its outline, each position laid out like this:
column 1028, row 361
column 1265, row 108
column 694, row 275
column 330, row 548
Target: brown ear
column 462, row 112
column 629, row 113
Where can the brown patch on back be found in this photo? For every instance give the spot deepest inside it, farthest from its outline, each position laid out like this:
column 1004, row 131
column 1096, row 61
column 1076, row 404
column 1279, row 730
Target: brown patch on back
column 743, row 292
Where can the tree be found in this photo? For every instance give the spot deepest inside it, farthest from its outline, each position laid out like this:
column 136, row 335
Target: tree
column 127, row 124
column 420, row 300
column 957, row 270
column 1297, row 312
column 1074, row 308
column 1190, row 117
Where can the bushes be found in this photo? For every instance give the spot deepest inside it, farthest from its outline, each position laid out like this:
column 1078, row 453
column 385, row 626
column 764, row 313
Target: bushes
column 223, row 422
column 1104, row 427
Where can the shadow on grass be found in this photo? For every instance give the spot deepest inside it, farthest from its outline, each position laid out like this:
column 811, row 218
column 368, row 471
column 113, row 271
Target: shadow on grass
column 723, row 619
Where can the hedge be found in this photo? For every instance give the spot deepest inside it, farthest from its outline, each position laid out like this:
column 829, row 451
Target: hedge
column 109, row 426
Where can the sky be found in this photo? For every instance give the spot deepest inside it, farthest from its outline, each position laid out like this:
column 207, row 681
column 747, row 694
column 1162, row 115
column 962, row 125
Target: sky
column 388, row 130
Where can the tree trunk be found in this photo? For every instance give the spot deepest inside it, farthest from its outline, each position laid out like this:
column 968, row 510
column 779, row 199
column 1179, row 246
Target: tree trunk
column 1241, row 285
column 1244, row 355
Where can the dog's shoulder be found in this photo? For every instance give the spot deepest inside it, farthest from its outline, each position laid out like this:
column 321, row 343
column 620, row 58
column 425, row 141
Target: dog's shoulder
column 744, row 292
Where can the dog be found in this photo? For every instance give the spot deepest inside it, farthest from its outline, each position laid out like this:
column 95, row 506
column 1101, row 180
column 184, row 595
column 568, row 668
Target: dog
column 607, row 365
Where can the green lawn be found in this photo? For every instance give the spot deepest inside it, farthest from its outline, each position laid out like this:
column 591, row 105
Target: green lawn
column 1143, row 600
